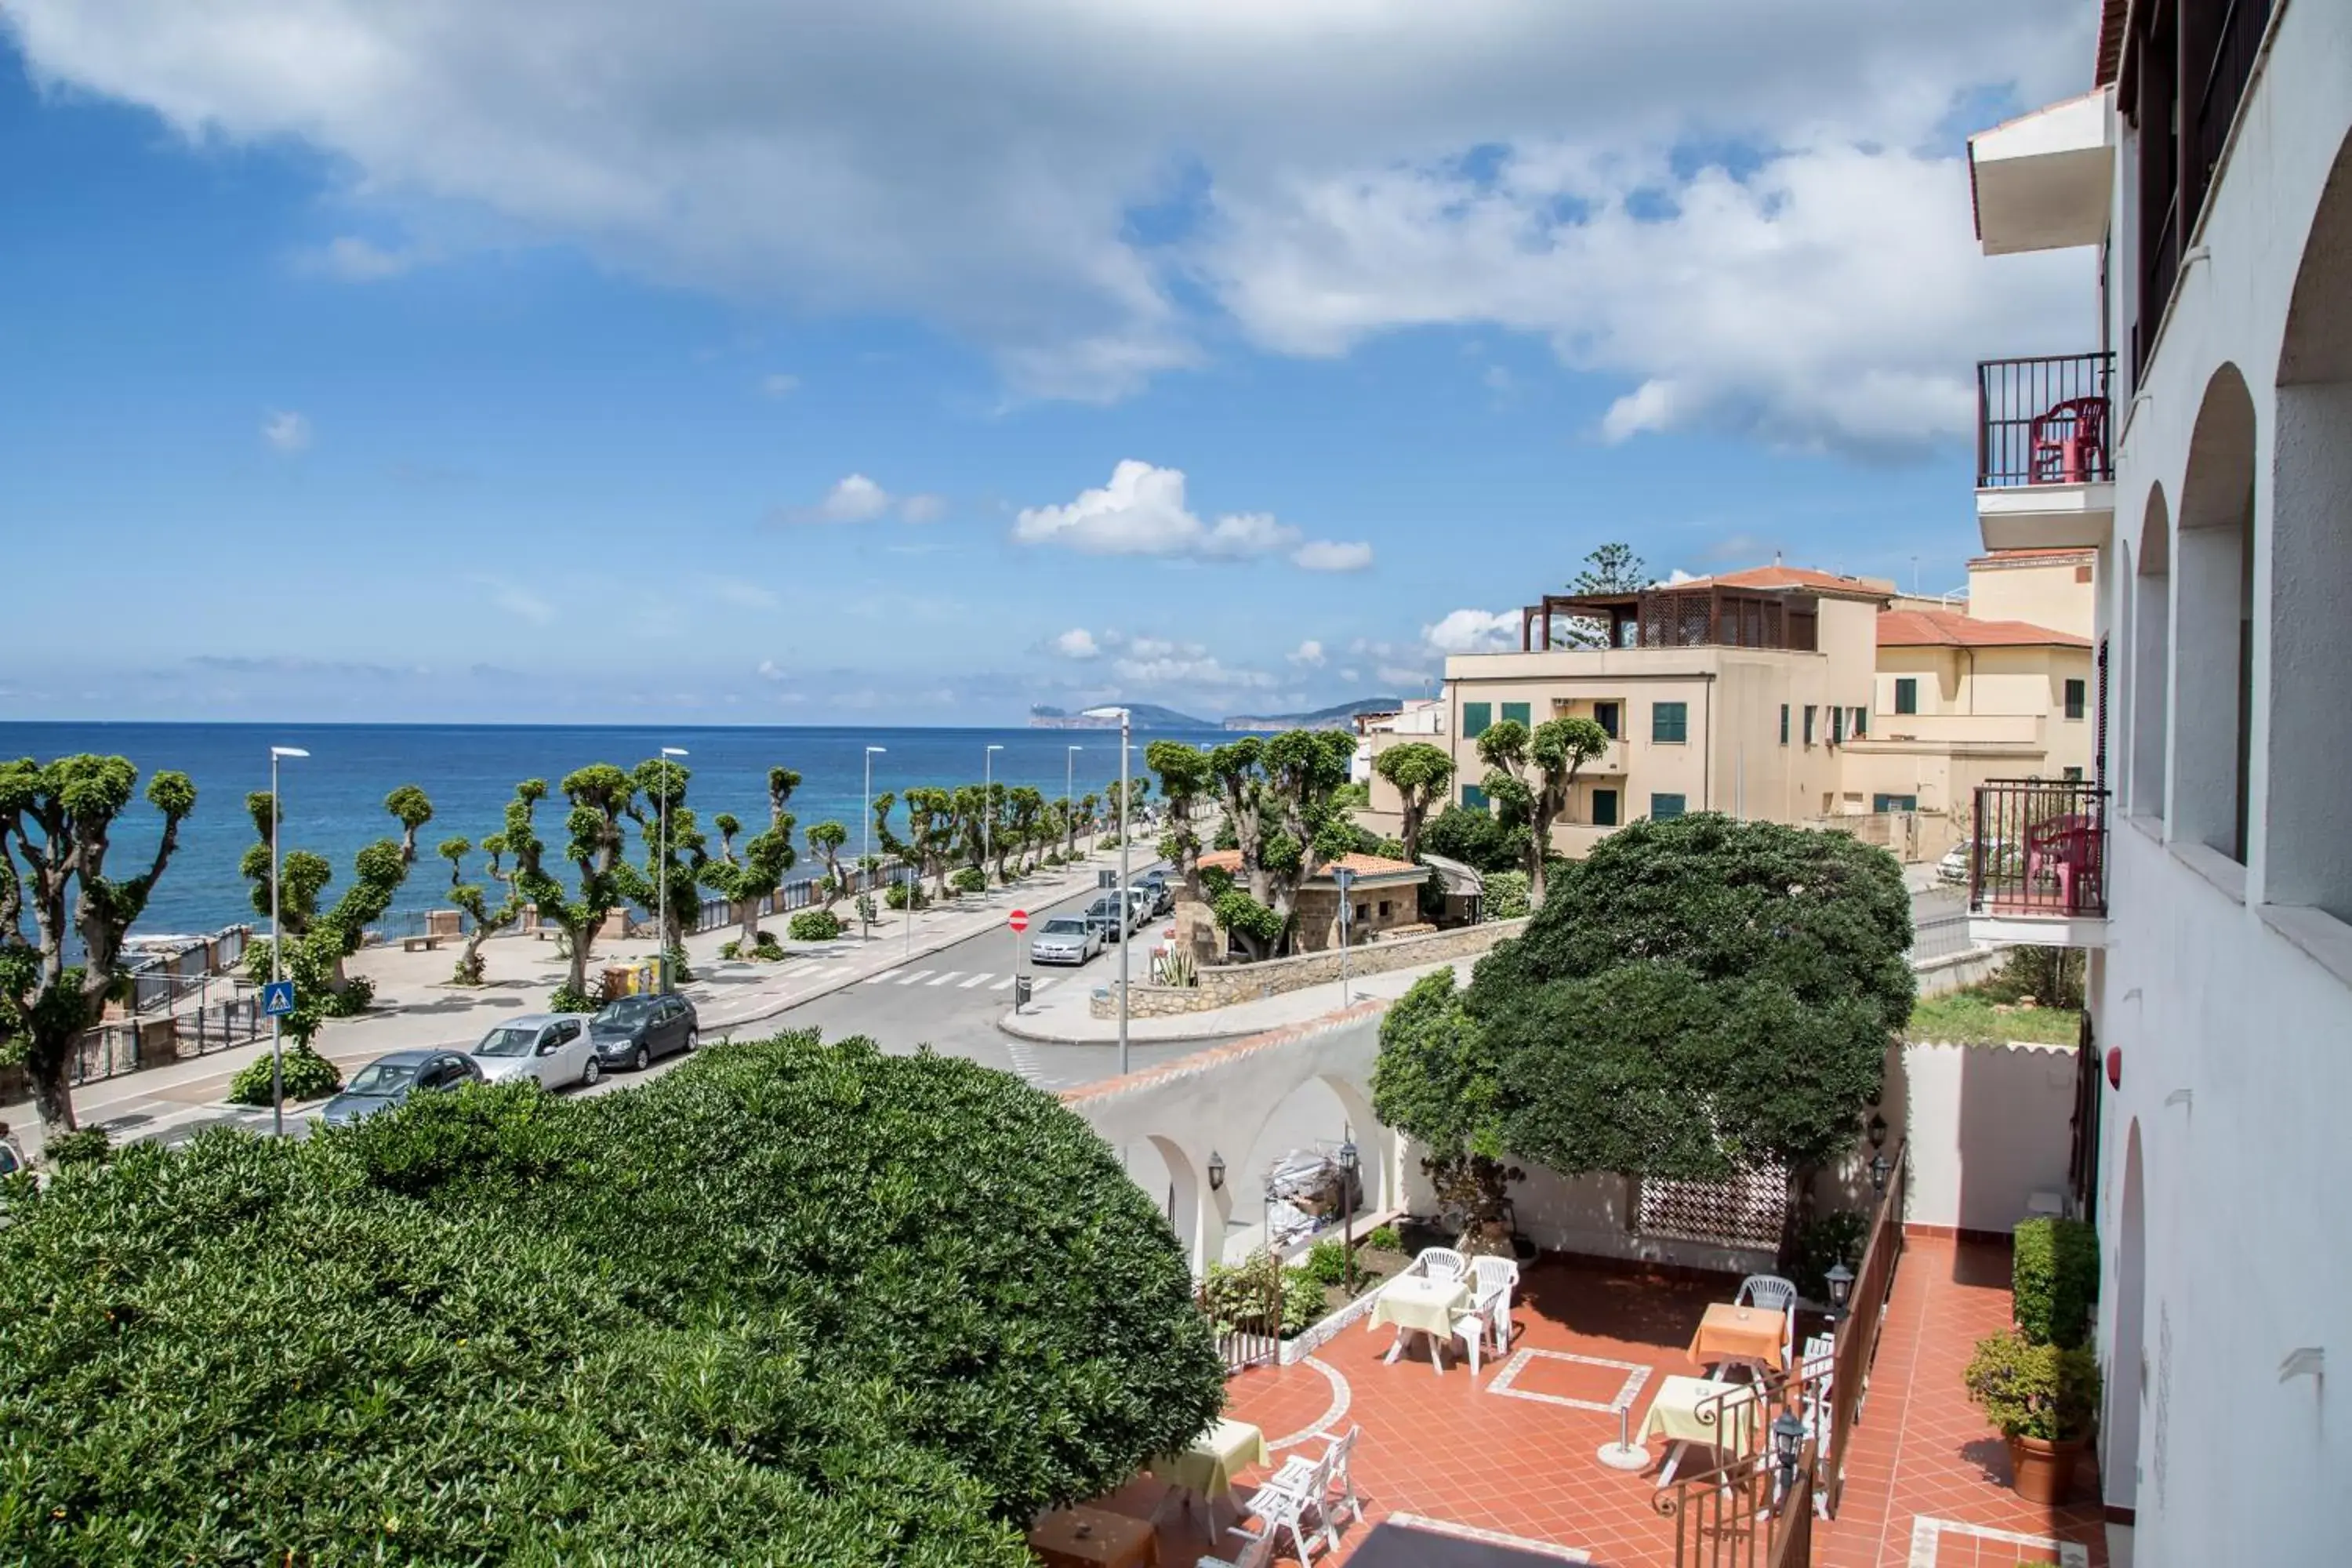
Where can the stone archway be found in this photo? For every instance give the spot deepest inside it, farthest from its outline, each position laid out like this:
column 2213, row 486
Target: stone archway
column 2119, row 1427
column 2207, row 795
column 2150, row 588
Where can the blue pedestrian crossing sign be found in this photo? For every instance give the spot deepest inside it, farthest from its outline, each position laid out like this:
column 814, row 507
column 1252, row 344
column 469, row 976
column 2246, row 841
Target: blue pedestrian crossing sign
column 277, row 998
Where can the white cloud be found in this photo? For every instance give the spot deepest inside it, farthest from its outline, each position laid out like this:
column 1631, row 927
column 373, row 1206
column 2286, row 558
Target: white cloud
column 1349, row 674
column 857, row 498
column 287, row 431
column 923, row 508
column 1308, row 653
column 1076, row 643
column 1348, row 167
column 1471, row 631
column 357, row 260
column 1194, row 670
column 779, row 384
column 1329, row 555
column 1410, row 676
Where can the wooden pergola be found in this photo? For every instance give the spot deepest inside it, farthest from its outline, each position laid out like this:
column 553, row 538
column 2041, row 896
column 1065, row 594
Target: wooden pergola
column 1702, row 616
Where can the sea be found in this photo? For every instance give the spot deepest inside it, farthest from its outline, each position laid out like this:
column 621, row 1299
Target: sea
column 334, row 797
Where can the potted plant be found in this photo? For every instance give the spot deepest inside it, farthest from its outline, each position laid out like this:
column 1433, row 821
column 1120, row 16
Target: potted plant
column 2044, row 1399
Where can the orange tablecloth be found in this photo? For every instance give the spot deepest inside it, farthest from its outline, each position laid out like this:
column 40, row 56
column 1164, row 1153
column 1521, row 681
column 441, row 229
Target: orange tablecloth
column 1739, row 1334
column 1081, row 1537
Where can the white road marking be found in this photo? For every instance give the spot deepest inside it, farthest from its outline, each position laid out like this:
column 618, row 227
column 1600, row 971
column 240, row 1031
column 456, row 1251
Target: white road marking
column 917, row 974
column 946, row 976
column 972, row 981
column 879, row 979
column 1043, row 982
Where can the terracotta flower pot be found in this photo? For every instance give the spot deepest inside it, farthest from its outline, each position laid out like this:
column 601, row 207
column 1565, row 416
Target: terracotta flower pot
column 2044, row 1470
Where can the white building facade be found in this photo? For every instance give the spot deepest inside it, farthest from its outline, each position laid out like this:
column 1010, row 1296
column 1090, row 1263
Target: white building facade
column 2205, row 451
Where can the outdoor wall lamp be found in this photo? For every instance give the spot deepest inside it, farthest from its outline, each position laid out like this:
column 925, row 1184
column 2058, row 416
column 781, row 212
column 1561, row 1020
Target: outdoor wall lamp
column 1350, row 1160
column 1878, row 1132
column 1216, row 1171
column 1879, row 1169
column 1841, row 1284
column 1787, row 1443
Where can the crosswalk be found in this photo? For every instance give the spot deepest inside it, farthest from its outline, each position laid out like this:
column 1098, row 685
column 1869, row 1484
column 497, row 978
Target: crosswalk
column 960, row 980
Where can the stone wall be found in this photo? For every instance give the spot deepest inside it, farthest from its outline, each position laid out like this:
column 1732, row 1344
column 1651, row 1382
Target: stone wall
column 1224, row 985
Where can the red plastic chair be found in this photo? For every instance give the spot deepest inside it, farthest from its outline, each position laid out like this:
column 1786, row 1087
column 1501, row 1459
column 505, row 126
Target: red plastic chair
column 2070, row 442
column 2065, row 847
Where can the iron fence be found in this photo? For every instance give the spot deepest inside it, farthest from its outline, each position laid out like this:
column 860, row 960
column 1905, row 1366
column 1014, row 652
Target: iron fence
column 2043, row 421
column 2039, row 848
column 1857, row 1334
column 128, row 1044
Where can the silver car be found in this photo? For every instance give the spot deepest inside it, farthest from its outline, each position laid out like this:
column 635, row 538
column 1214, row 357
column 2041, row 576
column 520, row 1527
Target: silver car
column 554, row 1049
column 1064, row 939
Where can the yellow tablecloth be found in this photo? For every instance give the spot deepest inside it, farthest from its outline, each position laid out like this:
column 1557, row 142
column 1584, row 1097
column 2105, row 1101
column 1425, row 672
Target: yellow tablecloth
column 1674, row 1414
column 1419, row 1301
column 1208, row 1468
column 1730, row 1333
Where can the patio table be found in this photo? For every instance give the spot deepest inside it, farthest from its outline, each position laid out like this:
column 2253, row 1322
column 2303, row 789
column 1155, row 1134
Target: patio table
column 1207, row 1468
column 1734, row 1333
column 1420, row 1303
column 1673, row 1415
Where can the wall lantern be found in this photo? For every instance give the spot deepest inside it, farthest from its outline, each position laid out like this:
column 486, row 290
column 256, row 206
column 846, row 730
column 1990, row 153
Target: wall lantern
column 1880, row 1167
column 1841, row 1284
column 1787, row 1443
column 1216, row 1171
column 1878, row 1132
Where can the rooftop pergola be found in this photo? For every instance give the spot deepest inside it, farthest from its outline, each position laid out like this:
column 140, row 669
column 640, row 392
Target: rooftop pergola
column 1706, row 614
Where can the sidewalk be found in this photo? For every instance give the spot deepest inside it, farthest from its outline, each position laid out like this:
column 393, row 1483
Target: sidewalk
column 416, row 1007
column 1064, row 1016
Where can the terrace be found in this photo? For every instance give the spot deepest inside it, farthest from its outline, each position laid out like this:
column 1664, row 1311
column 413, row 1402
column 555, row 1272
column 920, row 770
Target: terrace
column 1705, row 614
column 2046, row 473
column 2037, row 863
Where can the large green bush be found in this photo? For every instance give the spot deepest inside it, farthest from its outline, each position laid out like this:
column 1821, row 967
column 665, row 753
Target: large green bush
column 2027, row 1390
column 302, row 1074
column 2054, row 1279
column 968, row 879
column 814, row 925
column 790, row 1304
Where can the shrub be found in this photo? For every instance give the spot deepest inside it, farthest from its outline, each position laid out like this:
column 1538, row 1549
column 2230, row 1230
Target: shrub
column 569, row 998
column 896, row 896
column 1108, row 841
column 303, row 1074
column 1384, row 1238
column 2054, row 1279
column 1506, row 895
column 350, row 1002
column 2034, row 1391
column 447, row 1320
column 864, row 907
column 82, row 1146
column 814, row 925
column 1302, row 1302
column 1327, row 1261
column 1179, row 969
column 1236, row 1293
column 968, row 879
column 1823, row 1242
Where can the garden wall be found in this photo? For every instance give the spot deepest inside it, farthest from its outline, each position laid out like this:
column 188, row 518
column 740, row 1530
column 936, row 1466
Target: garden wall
column 1990, row 1127
column 1222, row 986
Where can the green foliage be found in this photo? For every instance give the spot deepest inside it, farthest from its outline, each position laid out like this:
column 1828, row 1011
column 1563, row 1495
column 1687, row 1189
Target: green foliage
column 1529, row 775
column 303, row 1074
column 1706, row 995
column 1327, row 1262
column 570, row 998
column 827, row 838
column 1506, row 895
column 1478, row 839
column 598, row 796
column 1420, row 772
column 760, row 870
column 2051, row 977
column 500, row 1326
column 2054, row 1279
column 968, row 879
column 1244, row 917
column 1437, row 1080
column 1353, row 795
column 1244, row 1295
column 1612, row 569
column 1970, row 1016
column 82, row 1146
column 814, row 925
column 764, row 948
column 1823, row 1242
column 897, row 893
column 1179, row 969
column 1302, row 1302
column 2029, row 1390
column 1384, row 1238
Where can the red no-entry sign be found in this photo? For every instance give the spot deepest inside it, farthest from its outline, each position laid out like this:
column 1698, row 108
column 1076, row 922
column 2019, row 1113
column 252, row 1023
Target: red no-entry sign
column 1019, row 919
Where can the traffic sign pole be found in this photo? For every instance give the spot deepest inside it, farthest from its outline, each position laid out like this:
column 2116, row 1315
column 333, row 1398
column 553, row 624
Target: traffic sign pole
column 1019, row 922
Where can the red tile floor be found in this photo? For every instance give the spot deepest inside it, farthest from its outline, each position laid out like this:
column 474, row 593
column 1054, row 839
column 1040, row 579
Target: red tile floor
column 1522, row 1464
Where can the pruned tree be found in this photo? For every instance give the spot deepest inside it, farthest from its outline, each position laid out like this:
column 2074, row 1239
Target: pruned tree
column 929, row 848
column 1612, row 569
column 1436, row 1081
column 56, row 826
column 767, row 856
column 1419, row 774
column 826, row 839
column 1089, row 815
column 1185, row 781
column 675, row 851
column 1278, row 795
column 1024, row 808
column 1137, row 788
column 378, row 871
column 597, row 846
column 484, row 918
column 1531, row 772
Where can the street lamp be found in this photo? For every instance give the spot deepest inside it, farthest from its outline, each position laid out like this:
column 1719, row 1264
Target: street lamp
column 1350, row 1160
column 866, row 861
column 1841, row 1283
column 661, row 916
column 987, row 809
column 1069, row 782
column 1126, row 948
column 1787, row 1447
column 1880, row 1166
column 276, row 946
column 1878, row 1132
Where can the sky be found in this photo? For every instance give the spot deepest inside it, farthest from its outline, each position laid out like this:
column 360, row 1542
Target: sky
column 783, row 363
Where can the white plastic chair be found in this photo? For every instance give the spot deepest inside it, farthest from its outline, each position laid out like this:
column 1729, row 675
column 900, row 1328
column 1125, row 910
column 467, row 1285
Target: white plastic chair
column 1773, row 1294
column 1436, row 1261
column 1496, row 1278
column 1277, row 1511
column 1307, row 1481
column 1333, row 1501
column 1472, row 1328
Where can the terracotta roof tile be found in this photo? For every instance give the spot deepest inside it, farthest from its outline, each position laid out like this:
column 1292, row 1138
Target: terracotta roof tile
column 1949, row 628
column 1804, row 577
column 1361, row 865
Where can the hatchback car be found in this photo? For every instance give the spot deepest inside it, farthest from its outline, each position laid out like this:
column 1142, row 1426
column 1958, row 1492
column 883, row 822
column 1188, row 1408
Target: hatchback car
column 1065, row 939
column 552, row 1049
column 1102, row 917
column 388, row 1081
column 634, row 1030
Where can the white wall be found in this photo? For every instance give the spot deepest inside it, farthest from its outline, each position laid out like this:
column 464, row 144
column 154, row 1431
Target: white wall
column 1988, row 1127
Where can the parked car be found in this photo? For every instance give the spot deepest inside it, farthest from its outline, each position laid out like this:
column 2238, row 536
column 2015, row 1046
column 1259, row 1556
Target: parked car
column 634, row 1030
column 1163, row 890
column 1065, row 939
column 1103, row 916
column 388, row 1081
column 2001, row 859
column 553, row 1048
column 1143, row 903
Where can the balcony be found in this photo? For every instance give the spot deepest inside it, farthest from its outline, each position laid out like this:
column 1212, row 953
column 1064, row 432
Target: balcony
column 2037, row 864
column 2045, row 477
column 2044, row 181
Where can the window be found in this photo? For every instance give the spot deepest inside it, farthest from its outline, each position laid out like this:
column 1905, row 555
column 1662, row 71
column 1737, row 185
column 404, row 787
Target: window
column 1604, row 808
column 2075, row 773
column 1665, row 807
column 1516, row 713
column 1669, row 722
column 1478, row 718
column 1473, row 798
column 1384, row 909
column 1837, row 726
column 1884, row 802
column 1363, row 913
column 1907, row 695
column 1605, row 715
column 1809, row 723
column 1784, row 723
column 2077, row 693
column 1862, row 724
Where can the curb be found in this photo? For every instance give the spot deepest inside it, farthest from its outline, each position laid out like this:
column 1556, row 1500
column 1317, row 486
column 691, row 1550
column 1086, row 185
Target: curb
column 1036, row 1036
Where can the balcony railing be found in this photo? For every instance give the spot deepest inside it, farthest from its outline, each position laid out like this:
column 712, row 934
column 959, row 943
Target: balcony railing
column 2043, row 421
column 2040, row 849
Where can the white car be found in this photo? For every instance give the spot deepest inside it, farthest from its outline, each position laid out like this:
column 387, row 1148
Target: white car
column 553, row 1047
column 1065, row 939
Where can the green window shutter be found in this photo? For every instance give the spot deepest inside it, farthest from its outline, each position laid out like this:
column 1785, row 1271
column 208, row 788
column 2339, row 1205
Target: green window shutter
column 1478, row 718
column 1784, row 723
column 1809, row 723
column 1884, row 802
column 1862, row 724
column 1604, row 808
column 1473, row 798
column 1837, row 726
column 1665, row 807
column 1517, row 712
column 1670, row 722
column 1907, row 695
column 2075, row 694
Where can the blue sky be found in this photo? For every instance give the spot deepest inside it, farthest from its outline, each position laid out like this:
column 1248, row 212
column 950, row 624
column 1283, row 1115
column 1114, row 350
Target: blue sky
column 371, row 370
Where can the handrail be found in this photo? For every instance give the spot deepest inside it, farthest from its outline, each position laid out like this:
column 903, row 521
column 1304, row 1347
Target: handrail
column 1857, row 1334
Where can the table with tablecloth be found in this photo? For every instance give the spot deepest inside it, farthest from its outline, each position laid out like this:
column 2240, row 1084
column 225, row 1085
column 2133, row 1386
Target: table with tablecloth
column 1420, row 1303
column 1207, row 1468
column 1675, row 1416
column 1757, row 1335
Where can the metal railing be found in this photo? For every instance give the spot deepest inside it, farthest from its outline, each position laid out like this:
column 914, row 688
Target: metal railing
column 1244, row 1309
column 2043, row 421
column 1857, row 1333
column 2237, row 39
column 129, row 1045
column 2039, row 848
column 1743, row 1514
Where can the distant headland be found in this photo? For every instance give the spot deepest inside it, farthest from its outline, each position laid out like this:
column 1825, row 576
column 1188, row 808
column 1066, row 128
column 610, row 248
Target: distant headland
column 1151, row 716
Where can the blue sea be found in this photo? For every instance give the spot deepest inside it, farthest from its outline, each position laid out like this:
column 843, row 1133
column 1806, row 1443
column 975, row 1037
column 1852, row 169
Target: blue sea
column 334, row 799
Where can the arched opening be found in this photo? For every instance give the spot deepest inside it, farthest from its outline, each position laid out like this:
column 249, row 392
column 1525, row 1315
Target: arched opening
column 1315, row 1117
column 2151, row 594
column 2213, row 625
column 2307, row 857
column 2119, row 1425
column 1196, row 1215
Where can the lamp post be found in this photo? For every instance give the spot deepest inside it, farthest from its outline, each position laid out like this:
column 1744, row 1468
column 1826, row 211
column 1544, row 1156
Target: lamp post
column 1070, row 780
column 987, row 810
column 1126, row 948
column 1349, row 1162
column 1788, row 1446
column 661, row 915
column 1880, row 1167
column 276, row 946
column 866, row 861
column 1345, row 881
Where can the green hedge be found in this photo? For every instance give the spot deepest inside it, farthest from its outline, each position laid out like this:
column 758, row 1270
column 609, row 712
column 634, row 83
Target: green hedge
column 2055, row 1280
column 302, row 1074
column 790, row 1304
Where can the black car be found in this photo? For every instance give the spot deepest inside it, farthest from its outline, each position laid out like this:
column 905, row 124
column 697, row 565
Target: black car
column 1163, row 892
column 389, row 1081
column 634, row 1030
